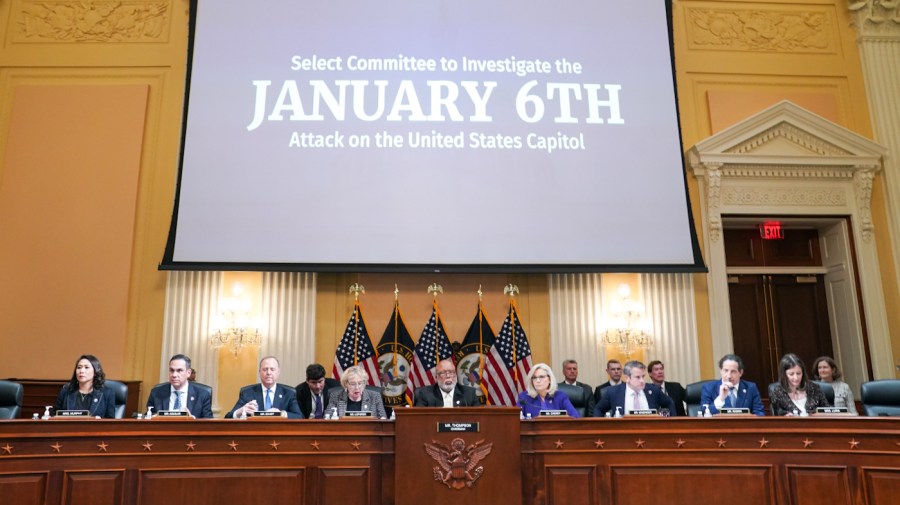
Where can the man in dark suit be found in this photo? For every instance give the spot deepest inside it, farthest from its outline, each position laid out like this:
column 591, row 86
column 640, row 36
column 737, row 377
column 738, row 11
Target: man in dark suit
column 633, row 394
column 674, row 390
column 179, row 393
column 312, row 395
column 446, row 392
column 731, row 392
column 614, row 371
column 570, row 372
column 268, row 395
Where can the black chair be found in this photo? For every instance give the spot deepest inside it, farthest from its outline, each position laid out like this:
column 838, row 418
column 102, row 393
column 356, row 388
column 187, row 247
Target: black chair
column 692, row 394
column 120, row 390
column 576, row 395
column 827, row 390
column 881, row 398
column 204, row 387
column 11, row 394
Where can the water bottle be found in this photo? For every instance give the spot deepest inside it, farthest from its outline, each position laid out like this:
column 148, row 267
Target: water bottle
column 608, row 414
column 528, row 416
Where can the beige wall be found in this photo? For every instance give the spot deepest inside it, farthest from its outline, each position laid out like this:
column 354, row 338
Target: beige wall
column 80, row 275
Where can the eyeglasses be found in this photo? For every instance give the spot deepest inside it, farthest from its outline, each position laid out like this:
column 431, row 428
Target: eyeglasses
column 446, row 373
column 540, row 377
column 356, row 385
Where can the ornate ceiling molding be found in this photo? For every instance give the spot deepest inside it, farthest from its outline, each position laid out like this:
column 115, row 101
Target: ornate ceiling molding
column 876, row 18
column 760, row 30
column 91, row 21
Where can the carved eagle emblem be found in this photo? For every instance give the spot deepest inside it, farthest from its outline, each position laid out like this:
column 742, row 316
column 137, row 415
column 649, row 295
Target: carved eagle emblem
column 458, row 464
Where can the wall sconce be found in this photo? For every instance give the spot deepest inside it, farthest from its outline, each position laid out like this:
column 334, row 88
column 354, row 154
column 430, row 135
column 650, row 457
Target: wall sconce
column 626, row 328
column 233, row 325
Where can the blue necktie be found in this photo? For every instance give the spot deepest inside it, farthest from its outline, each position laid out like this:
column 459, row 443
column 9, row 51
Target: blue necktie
column 318, row 413
column 177, row 400
column 268, row 399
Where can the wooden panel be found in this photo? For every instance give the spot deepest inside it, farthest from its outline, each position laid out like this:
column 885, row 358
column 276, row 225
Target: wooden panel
column 566, row 485
column 221, row 486
column 93, row 487
column 23, row 488
column 818, row 485
column 343, row 485
column 882, row 485
column 735, row 485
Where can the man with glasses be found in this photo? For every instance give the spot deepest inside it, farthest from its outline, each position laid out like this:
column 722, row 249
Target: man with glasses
column 446, row 392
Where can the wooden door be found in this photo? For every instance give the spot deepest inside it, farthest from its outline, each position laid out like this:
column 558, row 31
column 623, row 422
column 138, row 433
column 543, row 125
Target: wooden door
column 772, row 315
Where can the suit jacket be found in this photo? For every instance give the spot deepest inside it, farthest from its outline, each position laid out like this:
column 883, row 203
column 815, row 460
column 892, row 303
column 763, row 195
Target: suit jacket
column 283, row 398
column 782, row 405
column 103, row 401
column 304, row 396
column 599, row 390
column 371, row 402
column 589, row 394
column 615, row 397
column 748, row 397
column 676, row 393
column 534, row 406
column 430, row 396
column 198, row 402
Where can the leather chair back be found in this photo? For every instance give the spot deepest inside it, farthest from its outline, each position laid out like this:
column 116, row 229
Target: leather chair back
column 576, row 396
column 11, row 394
column 120, row 390
column 692, row 394
column 881, row 398
column 827, row 390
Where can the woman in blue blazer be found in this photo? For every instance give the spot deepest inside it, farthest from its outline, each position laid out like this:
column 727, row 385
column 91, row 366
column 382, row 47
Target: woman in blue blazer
column 86, row 390
column 541, row 393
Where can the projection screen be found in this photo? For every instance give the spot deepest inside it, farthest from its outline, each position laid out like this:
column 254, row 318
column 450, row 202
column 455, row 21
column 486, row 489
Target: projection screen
column 410, row 135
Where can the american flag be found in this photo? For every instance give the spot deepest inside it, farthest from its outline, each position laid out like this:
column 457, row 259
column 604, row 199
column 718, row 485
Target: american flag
column 425, row 358
column 356, row 349
column 508, row 364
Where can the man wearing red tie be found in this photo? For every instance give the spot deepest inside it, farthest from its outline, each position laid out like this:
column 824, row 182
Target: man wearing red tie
column 634, row 394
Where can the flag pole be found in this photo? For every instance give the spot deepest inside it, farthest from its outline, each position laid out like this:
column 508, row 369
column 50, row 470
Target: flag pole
column 511, row 290
column 435, row 289
column 356, row 288
column 481, row 343
column 396, row 330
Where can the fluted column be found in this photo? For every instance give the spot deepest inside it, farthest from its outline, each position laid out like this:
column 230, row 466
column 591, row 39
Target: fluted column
column 878, row 24
column 192, row 301
column 289, row 316
column 669, row 304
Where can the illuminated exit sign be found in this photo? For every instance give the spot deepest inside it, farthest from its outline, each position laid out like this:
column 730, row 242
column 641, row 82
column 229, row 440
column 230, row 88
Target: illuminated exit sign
column 771, row 230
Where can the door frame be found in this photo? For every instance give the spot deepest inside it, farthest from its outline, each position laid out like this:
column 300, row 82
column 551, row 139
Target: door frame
column 787, row 161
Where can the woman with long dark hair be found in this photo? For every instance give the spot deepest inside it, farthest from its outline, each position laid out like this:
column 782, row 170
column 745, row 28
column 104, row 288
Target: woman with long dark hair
column 86, row 390
column 795, row 393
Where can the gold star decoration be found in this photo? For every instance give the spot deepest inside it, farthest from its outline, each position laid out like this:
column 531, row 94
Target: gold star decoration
column 7, row 449
column 275, row 445
column 763, row 443
column 639, row 443
column 721, row 441
column 101, row 447
column 57, row 447
column 190, row 446
column 233, row 445
column 559, row 443
column 680, row 443
column 147, row 446
column 598, row 444
column 355, row 445
column 315, row 444
column 853, row 443
column 807, row 443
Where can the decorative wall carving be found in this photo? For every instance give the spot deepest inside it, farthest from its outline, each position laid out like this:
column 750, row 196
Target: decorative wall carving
column 92, row 21
column 863, row 180
column 713, row 188
column 876, row 17
column 783, row 197
column 760, row 30
column 795, row 135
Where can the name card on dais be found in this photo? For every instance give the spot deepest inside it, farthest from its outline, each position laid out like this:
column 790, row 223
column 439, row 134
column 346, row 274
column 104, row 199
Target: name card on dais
column 172, row 413
column 458, row 427
column 734, row 411
column 72, row 413
column 553, row 413
column 358, row 413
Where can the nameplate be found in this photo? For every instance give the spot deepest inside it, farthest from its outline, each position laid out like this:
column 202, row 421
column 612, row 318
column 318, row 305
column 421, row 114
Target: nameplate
column 458, row 427
column 642, row 412
column 734, row 411
column 358, row 413
column 553, row 413
column 267, row 413
column 172, row 413
column 72, row 413
column 832, row 410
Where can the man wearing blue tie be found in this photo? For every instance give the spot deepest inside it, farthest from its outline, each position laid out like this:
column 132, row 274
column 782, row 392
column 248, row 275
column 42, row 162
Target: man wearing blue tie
column 179, row 393
column 268, row 395
column 731, row 392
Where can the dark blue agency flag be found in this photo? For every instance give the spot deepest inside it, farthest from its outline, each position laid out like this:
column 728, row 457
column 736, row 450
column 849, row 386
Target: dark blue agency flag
column 395, row 357
column 472, row 354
